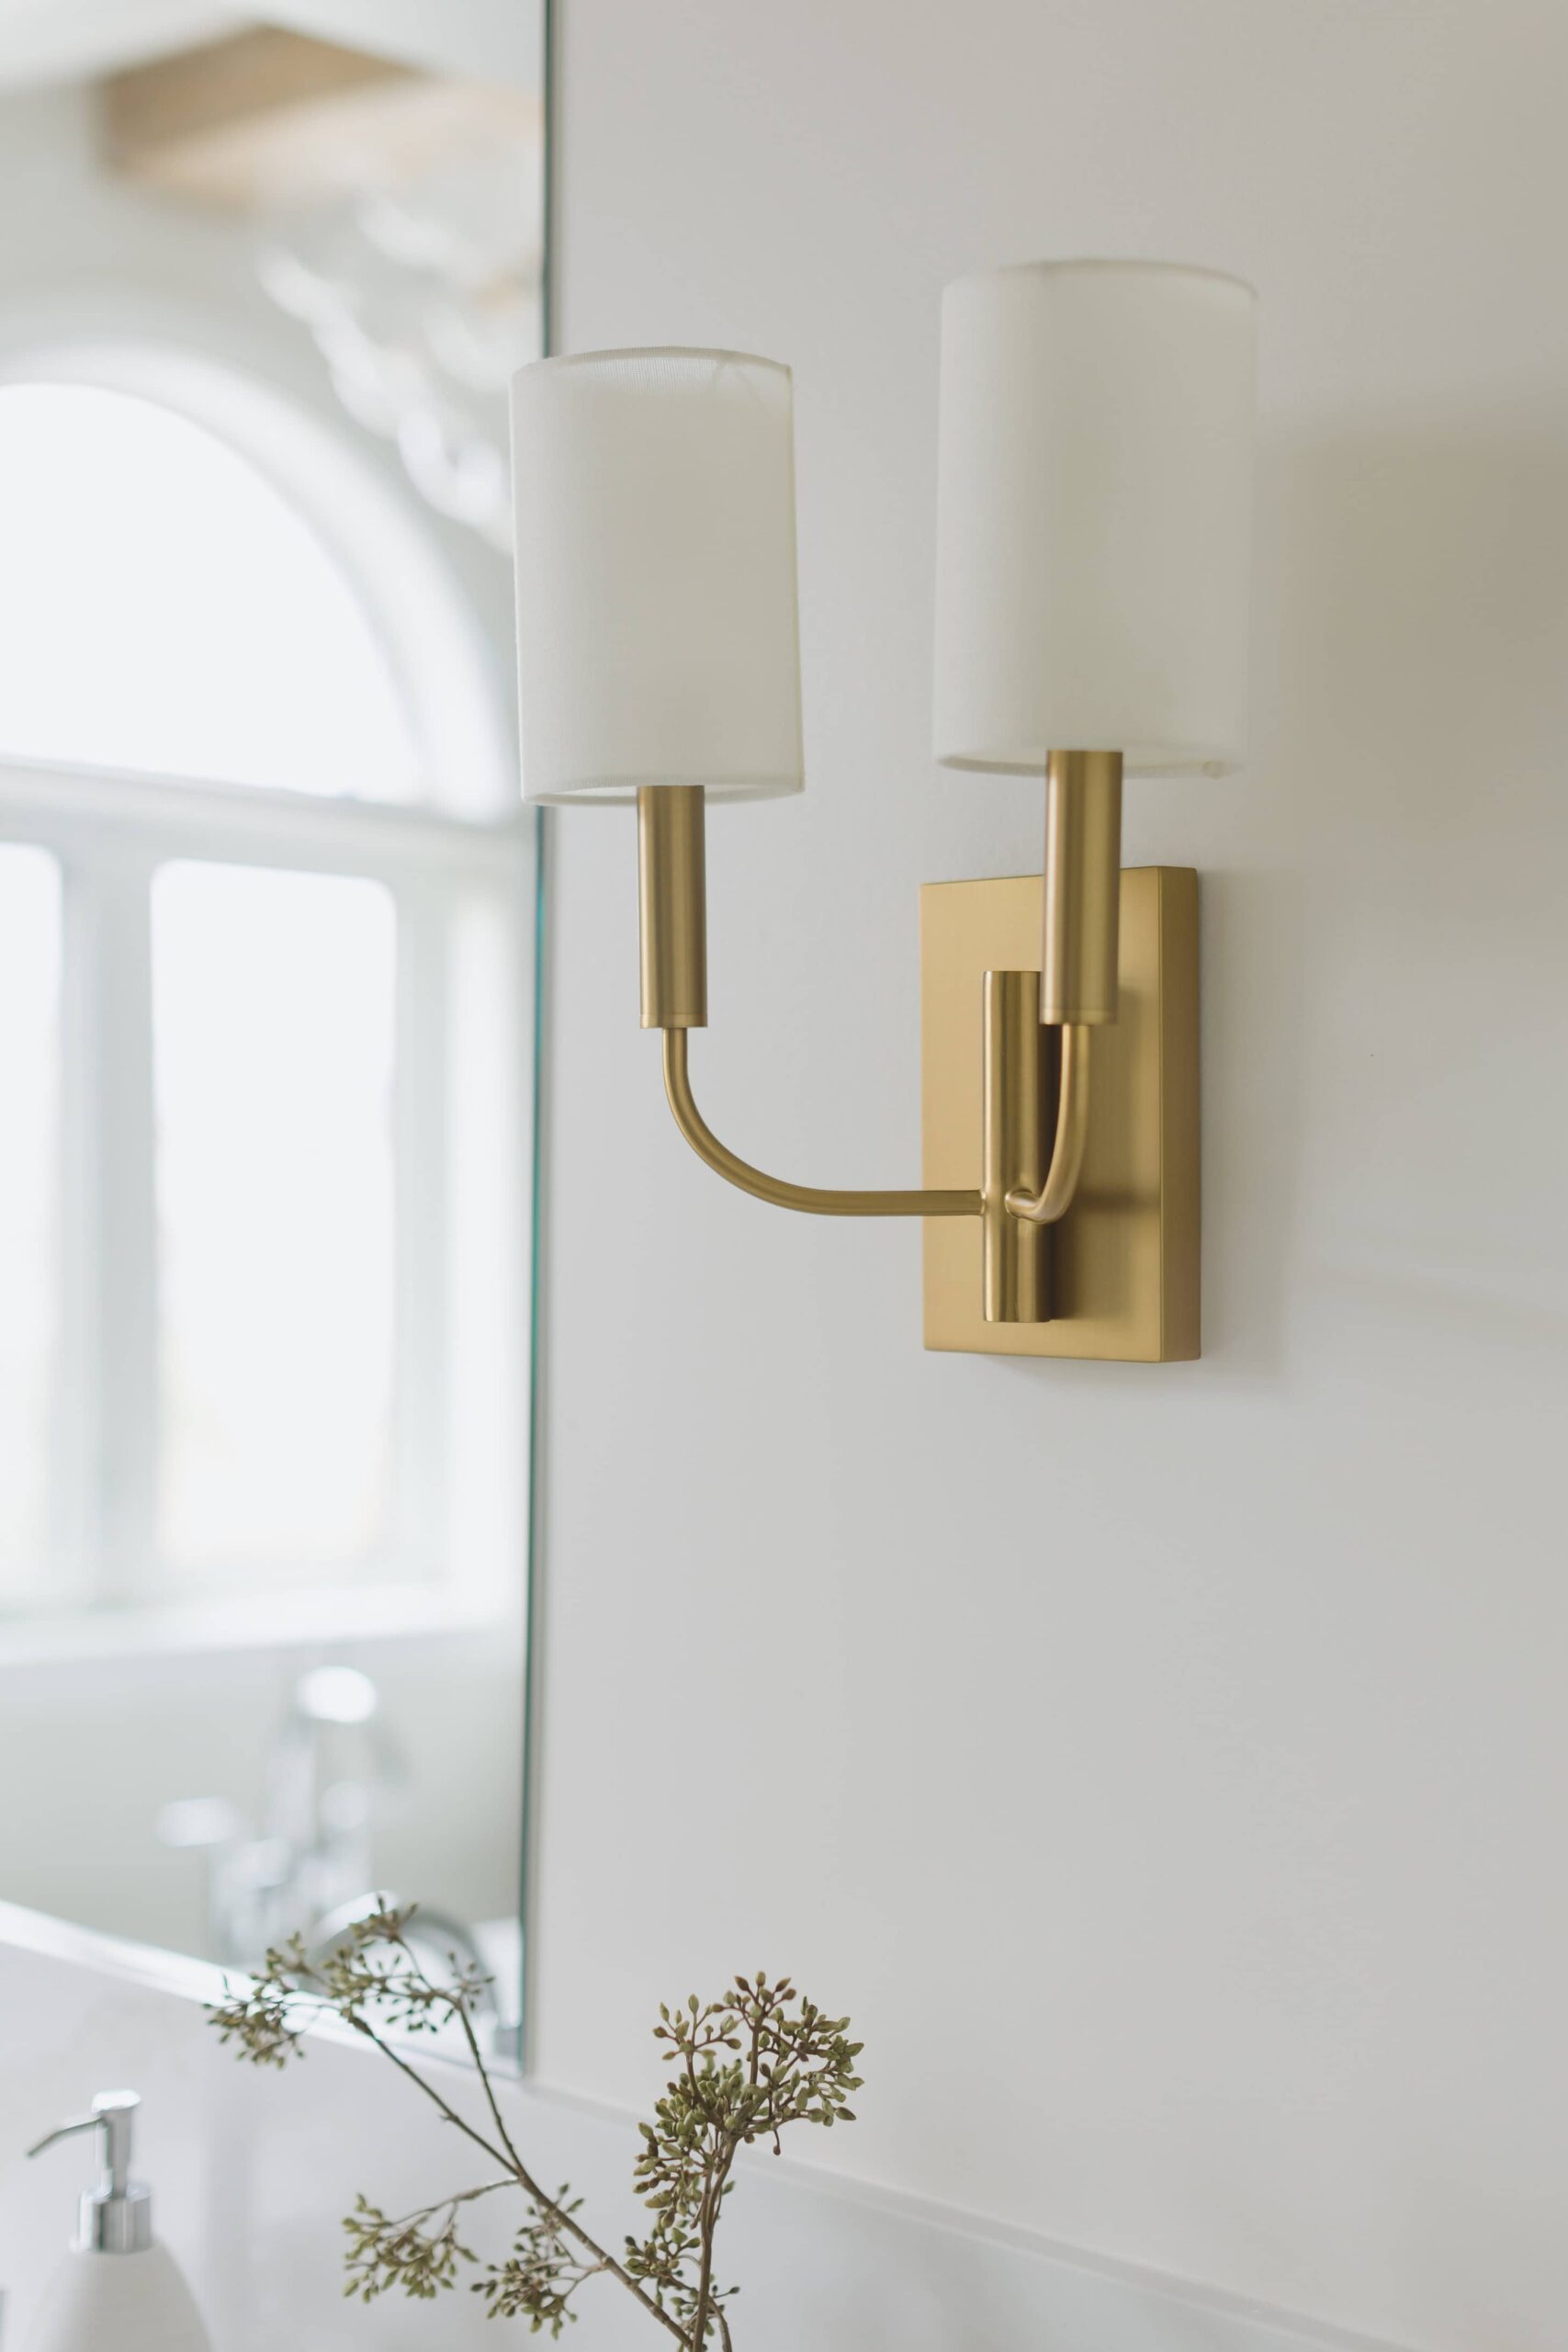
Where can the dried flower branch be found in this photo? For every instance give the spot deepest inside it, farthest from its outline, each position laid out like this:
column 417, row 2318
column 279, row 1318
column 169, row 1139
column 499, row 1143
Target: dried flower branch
column 420, row 2253
column 747, row 2065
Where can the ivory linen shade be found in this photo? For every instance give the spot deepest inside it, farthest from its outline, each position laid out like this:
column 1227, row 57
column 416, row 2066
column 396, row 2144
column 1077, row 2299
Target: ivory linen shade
column 657, row 620
column 1094, row 516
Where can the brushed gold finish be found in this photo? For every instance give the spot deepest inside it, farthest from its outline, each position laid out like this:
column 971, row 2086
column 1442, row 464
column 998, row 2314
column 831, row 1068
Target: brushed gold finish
column 1125, row 1259
column 809, row 1198
column 673, row 897
column 1015, row 1255
column 1082, row 892
column 1054, row 1197
column 672, row 891
column 1090, row 1250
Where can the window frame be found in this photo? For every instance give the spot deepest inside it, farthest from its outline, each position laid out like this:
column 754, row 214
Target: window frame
column 111, row 831
column 387, row 548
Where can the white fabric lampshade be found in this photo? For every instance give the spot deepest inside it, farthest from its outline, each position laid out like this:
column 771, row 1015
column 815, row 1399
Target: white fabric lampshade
column 1094, row 516
column 657, row 631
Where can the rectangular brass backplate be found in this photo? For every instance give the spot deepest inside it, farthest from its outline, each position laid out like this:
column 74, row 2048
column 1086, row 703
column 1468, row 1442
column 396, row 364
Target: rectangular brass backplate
column 1125, row 1271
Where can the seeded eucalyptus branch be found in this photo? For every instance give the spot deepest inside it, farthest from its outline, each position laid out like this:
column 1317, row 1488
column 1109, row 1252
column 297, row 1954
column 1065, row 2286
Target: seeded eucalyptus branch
column 758, row 2058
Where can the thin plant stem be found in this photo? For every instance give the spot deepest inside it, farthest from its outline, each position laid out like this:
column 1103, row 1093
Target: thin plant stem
column 791, row 2065
column 603, row 2258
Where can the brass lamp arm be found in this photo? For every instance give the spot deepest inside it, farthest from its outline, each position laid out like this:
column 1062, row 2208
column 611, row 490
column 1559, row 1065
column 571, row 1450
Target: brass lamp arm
column 814, row 1200
column 1055, row 1196
column 1085, row 794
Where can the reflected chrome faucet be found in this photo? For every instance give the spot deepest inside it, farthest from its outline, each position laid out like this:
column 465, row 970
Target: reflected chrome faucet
column 310, row 1870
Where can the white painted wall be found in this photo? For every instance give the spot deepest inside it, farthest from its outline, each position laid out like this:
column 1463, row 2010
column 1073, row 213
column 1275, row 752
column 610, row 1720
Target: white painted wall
column 1165, row 1766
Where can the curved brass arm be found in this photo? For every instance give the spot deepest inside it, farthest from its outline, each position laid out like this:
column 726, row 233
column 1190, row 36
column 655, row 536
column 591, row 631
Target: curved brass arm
column 1054, row 1197
column 807, row 1197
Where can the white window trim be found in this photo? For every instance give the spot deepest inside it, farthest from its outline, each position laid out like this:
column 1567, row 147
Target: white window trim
column 463, row 723
column 471, row 845
column 111, row 833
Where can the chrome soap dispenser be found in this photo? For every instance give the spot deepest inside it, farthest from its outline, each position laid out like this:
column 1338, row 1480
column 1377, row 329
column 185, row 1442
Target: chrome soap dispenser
column 117, row 2291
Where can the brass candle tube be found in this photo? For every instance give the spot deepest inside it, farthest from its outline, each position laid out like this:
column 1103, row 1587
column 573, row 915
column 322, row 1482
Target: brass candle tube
column 1083, row 887
column 672, row 891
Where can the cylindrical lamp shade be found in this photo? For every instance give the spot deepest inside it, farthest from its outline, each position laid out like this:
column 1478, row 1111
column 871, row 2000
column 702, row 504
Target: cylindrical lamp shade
column 658, row 634
column 1094, row 516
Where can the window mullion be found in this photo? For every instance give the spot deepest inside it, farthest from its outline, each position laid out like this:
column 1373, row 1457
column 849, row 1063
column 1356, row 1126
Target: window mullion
column 420, row 1127
column 115, row 1053
column 75, row 1456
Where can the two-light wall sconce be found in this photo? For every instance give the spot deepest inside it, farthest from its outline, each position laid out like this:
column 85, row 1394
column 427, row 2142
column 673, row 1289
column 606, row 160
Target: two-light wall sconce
column 1093, row 543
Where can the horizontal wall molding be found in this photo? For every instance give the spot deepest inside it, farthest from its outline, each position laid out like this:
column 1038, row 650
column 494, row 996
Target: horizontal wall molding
column 1090, row 2286
column 252, row 2173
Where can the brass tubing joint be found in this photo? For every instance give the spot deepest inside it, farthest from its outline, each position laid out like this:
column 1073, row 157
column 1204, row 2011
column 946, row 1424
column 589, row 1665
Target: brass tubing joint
column 1083, row 887
column 672, row 890
column 812, row 1199
column 1015, row 1253
column 1055, row 1198
column 674, row 998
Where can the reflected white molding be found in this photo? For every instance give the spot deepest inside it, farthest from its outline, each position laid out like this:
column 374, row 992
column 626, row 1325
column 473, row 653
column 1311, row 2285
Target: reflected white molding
column 109, row 1956
column 367, row 1615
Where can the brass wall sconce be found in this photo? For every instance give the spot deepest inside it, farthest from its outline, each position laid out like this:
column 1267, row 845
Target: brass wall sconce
column 1094, row 524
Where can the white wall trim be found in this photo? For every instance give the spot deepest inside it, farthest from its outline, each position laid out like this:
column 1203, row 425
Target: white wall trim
column 980, row 2229
column 1103, row 2302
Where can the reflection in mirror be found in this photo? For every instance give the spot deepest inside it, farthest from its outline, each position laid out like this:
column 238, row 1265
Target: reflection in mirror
column 265, row 915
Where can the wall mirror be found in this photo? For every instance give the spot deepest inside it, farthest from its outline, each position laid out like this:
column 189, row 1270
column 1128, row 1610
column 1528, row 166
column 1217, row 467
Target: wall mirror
column 267, row 914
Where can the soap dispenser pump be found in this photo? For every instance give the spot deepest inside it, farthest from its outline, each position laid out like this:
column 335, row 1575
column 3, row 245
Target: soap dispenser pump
column 118, row 2291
